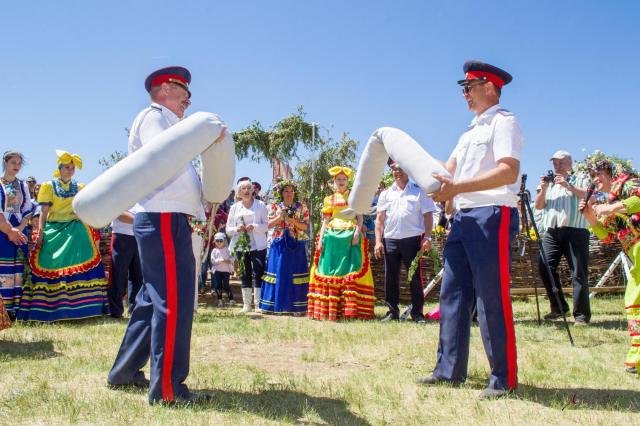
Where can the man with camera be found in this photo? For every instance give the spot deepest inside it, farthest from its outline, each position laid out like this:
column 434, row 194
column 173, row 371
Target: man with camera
column 565, row 235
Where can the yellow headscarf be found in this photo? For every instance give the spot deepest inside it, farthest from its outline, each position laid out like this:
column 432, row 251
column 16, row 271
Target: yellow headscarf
column 65, row 157
column 336, row 170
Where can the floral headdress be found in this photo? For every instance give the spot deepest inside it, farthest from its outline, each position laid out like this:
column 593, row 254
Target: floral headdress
column 598, row 160
column 65, row 157
column 280, row 186
column 605, row 165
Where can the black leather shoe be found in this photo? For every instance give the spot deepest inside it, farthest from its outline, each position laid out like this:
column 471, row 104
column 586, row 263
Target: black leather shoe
column 139, row 383
column 419, row 319
column 489, row 393
column 390, row 316
column 431, row 380
column 194, row 398
column 554, row 315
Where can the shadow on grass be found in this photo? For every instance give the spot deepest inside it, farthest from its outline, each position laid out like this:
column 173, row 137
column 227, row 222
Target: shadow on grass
column 582, row 398
column 282, row 405
column 617, row 324
column 26, row 350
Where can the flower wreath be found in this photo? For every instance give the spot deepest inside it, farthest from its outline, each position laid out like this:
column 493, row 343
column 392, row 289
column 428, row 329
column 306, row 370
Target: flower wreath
column 280, row 186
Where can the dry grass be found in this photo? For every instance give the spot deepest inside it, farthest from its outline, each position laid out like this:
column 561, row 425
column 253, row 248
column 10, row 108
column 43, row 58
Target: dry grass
column 275, row 370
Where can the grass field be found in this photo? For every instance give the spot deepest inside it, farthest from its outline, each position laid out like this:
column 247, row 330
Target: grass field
column 283, row 370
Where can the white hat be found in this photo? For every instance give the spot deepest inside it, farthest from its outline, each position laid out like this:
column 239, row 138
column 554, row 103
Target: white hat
column 559, row 155
column 220, row 236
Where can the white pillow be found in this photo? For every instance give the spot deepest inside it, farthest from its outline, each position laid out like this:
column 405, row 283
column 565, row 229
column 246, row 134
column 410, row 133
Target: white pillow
column 406, row 152
column 141, row 172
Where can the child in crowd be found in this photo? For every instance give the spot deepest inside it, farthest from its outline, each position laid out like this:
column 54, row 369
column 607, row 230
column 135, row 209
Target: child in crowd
column 221, row 267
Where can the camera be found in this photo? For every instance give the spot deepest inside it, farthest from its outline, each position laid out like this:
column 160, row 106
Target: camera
column 290, row 211
column 549, row 177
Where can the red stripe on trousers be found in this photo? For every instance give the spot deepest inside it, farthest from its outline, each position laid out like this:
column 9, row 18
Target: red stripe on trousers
column 110, row 282
column 505, row 281
column 171, row 286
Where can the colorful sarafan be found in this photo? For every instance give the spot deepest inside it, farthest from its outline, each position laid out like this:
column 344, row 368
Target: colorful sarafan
column 341, row 283
column 68, row 279
column 626, row 228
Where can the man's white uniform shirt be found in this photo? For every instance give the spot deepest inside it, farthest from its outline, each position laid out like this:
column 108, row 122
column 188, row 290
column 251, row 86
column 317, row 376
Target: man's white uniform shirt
column 404, row 209
column 181, row 193
column 492, row 135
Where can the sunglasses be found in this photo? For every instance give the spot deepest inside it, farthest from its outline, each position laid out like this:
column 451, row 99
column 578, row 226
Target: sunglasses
column 466, row 88
column 219, row 241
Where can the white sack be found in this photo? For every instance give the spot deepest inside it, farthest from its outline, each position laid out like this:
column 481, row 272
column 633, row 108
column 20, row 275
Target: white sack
column 218, row 169
column 403, row 149
column 141, row 172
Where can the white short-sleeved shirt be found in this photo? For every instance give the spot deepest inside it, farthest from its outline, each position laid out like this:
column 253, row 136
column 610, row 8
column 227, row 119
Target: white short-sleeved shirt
column 120, row 227
column 181, row 193
column 492, row 135
column 404, row 210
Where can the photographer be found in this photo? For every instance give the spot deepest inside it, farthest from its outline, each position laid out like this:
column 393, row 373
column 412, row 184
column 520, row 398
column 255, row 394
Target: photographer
column 565, row 235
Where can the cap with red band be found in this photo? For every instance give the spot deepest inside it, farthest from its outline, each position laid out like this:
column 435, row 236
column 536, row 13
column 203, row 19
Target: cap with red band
column 177, row 75
column 475, row 70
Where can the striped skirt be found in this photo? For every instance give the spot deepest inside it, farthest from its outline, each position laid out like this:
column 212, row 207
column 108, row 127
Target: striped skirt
column 12, row 260
column 340, row 283
column 285, row 283
column 67, row 277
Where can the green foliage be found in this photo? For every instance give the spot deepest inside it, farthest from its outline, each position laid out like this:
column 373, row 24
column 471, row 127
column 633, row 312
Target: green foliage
column 283, row 142
column 329, row 153
column 387, row 178
column 113, row 158
column 280, row 142
column 620, row 164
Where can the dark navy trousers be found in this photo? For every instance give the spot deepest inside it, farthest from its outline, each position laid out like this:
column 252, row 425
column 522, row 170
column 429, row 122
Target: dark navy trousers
column 126, row 273
column 477, row 256
column 402, row 250
column 160, row 325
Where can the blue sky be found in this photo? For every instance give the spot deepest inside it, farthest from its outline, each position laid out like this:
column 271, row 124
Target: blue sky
column 73, row 71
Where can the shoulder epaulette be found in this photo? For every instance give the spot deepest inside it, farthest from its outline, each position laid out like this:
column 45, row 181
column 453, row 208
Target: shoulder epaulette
column 504, row 112
column 156, row 108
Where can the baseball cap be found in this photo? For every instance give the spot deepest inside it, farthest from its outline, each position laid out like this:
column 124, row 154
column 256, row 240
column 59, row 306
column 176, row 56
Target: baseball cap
column 559, row 155
column 220, row 236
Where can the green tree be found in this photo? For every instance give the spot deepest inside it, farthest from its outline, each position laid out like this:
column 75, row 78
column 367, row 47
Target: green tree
column 281, row 142
column 113, row 158
column 285, row 140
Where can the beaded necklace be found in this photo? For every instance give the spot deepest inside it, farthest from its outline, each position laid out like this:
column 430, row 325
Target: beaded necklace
column 65, row 193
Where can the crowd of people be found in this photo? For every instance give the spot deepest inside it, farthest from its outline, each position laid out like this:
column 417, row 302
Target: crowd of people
column 264, row 238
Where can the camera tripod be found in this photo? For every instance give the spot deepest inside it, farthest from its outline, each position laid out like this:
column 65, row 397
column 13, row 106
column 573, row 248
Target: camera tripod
column 527, row 217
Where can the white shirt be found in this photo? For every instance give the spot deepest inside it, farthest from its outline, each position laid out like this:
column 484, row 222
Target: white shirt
column 493, row 135
column 181, row 193
column 218, row 256
column 404, row 210
column 255, row 215
column 120, row 227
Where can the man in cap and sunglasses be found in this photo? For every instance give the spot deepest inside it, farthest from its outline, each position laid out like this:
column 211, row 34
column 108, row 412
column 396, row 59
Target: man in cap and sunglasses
column 160, row 324
column 485, row 166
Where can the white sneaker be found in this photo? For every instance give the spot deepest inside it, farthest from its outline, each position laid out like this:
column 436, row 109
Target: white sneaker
column 220, row 304
column 231, row 302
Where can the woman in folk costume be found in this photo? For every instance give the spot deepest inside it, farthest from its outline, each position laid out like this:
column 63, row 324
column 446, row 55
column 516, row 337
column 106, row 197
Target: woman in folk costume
column 68, row 280
column 285, row 283
column 16, row 211
column 619, row 218
column 340, row 284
